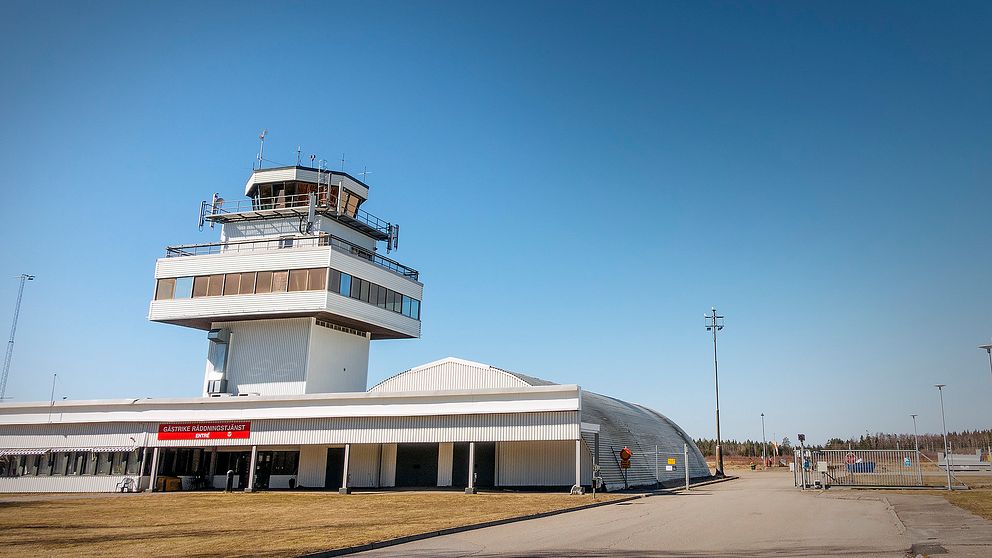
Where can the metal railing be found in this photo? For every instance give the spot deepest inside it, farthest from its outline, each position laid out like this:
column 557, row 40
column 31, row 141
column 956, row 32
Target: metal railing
column 289, row 243
column 327, row 202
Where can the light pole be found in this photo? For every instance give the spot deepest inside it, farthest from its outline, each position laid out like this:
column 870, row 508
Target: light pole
column 943, row 422
column 715, row 323
column 988, row 349
column 13, row 329
column 764, row 445
column 916, row 442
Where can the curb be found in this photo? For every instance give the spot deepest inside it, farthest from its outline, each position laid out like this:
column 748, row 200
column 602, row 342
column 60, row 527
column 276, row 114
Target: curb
column 707, row 483
column 461, row 529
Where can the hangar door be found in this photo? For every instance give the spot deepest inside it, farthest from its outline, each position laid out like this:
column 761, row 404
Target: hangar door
column 416, row 465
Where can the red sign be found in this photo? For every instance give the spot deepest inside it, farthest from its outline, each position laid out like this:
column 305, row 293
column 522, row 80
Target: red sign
column 626, row 454
column 204, row 430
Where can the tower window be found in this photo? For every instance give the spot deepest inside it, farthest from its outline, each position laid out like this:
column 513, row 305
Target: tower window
column 200, row 285
column 298, row 280
column 215, row 286
column 317, row 279
column 165, row 289
column 280, row 281
column 232, row 284
column 184, row 287
column 247, row 283
column 263, row 284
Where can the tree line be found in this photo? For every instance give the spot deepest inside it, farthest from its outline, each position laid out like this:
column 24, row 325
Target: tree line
column 967, row 441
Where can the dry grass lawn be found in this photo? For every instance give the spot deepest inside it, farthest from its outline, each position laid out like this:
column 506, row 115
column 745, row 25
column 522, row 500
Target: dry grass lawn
column 269, row 524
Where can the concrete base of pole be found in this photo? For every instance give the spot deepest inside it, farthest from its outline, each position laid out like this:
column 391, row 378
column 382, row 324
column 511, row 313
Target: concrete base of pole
column 577, row 490
column 470, row 491
column 344, row 490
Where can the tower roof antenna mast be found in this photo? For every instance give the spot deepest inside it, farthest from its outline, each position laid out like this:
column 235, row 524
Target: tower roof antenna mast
column 261, row 145
column 13, row 329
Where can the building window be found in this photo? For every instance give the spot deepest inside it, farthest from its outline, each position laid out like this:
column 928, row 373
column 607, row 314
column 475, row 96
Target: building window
column 247, row 283
column 356, row 288
column 365, row 291
column 103, row 462
column 263, row 284
column 280, row 281
column 134, row 461
column 345, row 285
column 317, row 279
column 285, row 462
column 232, row 284
column 297, row 280
column 286, row 242
column 184, row 287
column 165, row 289
column 215, row 287
column 200, row 285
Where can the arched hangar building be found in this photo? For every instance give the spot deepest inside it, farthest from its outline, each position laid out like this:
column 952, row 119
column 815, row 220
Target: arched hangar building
column 290, row 298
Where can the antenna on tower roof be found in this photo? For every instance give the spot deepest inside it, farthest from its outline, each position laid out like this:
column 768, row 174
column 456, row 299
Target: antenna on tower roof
column 298, row 148
column 365, row 173
column 342, row 162
column 261, row 145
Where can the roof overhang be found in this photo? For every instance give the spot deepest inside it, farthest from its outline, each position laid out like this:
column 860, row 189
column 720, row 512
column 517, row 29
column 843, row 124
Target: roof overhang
column 534, row 399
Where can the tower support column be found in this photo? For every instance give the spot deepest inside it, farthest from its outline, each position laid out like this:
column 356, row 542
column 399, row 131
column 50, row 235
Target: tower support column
column 471, row 469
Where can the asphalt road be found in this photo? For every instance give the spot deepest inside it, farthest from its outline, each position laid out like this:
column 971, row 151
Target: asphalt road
column 761, row 514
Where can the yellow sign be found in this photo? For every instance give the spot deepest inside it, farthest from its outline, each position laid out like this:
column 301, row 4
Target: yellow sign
column 671, row 461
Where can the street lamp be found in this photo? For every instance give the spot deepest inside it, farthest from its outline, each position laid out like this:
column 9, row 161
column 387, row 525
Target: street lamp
column 764, row 445
column 988, row 349
column 916, row 442
column 715, row 323
column 943, row 422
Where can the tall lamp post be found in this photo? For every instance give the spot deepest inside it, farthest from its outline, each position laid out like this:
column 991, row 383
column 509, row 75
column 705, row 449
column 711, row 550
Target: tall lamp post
column 714, row 323
column 916, row 442
column 943, row 422
column 764, row 444
column 13, row 329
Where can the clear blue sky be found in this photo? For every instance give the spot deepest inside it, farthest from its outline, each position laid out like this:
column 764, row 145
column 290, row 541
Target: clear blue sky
column 577, row 182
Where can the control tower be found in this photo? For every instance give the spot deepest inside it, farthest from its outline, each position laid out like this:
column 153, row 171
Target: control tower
column 294, row 290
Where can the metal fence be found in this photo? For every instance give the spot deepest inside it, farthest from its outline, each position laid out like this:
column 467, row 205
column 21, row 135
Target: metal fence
column 873, row 468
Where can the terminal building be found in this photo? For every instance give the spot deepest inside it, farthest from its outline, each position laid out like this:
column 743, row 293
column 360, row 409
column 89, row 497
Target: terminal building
column 290, row 299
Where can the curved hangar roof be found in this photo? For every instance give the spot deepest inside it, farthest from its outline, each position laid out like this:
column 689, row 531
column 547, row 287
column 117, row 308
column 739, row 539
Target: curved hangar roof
column 620, row 423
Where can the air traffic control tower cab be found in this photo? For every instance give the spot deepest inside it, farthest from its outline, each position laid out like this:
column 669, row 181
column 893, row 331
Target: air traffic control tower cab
column 294, row 290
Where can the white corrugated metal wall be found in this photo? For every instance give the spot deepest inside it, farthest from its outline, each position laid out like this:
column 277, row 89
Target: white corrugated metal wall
column 363, row 466
column 540, row 464
column 312, row 467
column 268, row 357
column 445, row 456
column 71, row 483
column 387, row 473
column 338, row 361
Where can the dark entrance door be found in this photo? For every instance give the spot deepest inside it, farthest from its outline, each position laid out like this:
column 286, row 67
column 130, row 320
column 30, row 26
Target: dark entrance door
column 263, row 469
column 416, row 465
column 485, row 464
column 335, row 468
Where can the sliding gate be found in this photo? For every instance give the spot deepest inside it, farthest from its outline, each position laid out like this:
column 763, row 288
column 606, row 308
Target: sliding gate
column 859, row 468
